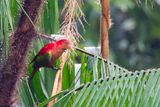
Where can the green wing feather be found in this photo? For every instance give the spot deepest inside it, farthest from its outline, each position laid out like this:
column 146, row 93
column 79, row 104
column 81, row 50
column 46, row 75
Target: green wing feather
column 42, row 60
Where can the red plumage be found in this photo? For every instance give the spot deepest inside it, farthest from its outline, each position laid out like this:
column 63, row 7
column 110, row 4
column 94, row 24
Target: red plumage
column 53, row 45
column 47, row 55
column 47, row 48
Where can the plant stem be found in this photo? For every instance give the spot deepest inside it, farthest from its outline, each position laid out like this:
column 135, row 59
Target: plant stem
column 105, row 24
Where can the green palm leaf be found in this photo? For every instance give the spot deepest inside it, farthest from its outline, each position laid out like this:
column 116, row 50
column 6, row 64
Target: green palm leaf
column 139, row 88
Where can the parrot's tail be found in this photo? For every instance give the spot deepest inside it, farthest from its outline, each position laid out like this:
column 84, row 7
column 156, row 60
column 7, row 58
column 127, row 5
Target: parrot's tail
column 33, row 73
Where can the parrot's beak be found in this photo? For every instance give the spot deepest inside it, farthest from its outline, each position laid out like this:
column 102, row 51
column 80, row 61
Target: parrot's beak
column 70, row 46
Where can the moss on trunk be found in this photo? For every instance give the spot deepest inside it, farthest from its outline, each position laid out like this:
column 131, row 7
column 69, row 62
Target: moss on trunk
column 15, row 64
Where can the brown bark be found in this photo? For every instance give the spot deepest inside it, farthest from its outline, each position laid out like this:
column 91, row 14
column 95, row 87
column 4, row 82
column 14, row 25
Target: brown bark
column 10, row 72
column 57, row 87
column 105, row 24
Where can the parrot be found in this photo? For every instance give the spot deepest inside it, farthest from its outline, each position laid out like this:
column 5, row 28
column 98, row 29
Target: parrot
column 48, row 55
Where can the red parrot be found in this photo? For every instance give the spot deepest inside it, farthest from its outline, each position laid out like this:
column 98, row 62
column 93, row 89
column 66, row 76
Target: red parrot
column 48, row 55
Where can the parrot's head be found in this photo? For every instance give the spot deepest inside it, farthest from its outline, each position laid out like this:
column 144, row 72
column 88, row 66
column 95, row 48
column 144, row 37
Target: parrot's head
column 64, row 44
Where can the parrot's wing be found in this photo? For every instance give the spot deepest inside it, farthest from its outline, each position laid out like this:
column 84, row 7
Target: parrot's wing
column 34, row 59
column 40, row 57
column 46, row 49
column 42, row 60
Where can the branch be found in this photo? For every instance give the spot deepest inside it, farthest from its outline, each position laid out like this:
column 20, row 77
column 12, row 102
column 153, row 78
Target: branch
column 53, row 38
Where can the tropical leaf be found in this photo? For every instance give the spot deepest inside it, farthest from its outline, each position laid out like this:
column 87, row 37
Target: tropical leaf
column 101, row 84
column 6, row 24
column 139, row 88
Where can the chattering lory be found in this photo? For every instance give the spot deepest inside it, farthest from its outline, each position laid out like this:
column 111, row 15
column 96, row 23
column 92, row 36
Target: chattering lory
column 48, row 55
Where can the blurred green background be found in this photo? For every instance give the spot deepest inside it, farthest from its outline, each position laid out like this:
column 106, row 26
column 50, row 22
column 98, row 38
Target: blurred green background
column 134, row 36
column 134, row 39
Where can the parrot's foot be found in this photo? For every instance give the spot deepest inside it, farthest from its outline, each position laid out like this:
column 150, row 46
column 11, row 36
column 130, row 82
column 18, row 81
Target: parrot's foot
column 26, row 77
column 54, row 68
column 36, row 103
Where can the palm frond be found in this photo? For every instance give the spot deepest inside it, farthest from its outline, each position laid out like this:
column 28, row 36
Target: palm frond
column 6, row 24
column 97, row 83
column 139, row 88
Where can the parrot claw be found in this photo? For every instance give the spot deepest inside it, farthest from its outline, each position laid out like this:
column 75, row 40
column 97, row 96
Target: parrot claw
column 25, row 77
column 54, row 68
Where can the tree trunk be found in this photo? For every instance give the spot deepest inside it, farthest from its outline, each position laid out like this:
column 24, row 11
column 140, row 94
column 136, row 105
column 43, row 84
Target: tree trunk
column 15, row 64
column 105, row 24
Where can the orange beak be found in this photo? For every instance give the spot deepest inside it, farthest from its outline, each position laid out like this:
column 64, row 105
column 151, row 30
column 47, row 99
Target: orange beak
column 69, row 45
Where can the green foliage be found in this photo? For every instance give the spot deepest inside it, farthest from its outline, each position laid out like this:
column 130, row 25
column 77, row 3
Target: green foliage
column 94, row 69
column 26, row 97
column 138, row 88
column 50, row 18
column 68, row 76
column 115, row 86
column 135, row 36
column 6, row 23
column 101, row 84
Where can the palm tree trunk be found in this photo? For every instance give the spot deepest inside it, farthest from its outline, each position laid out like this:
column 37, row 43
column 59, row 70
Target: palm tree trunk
column 22, row 38
column 105, row 24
